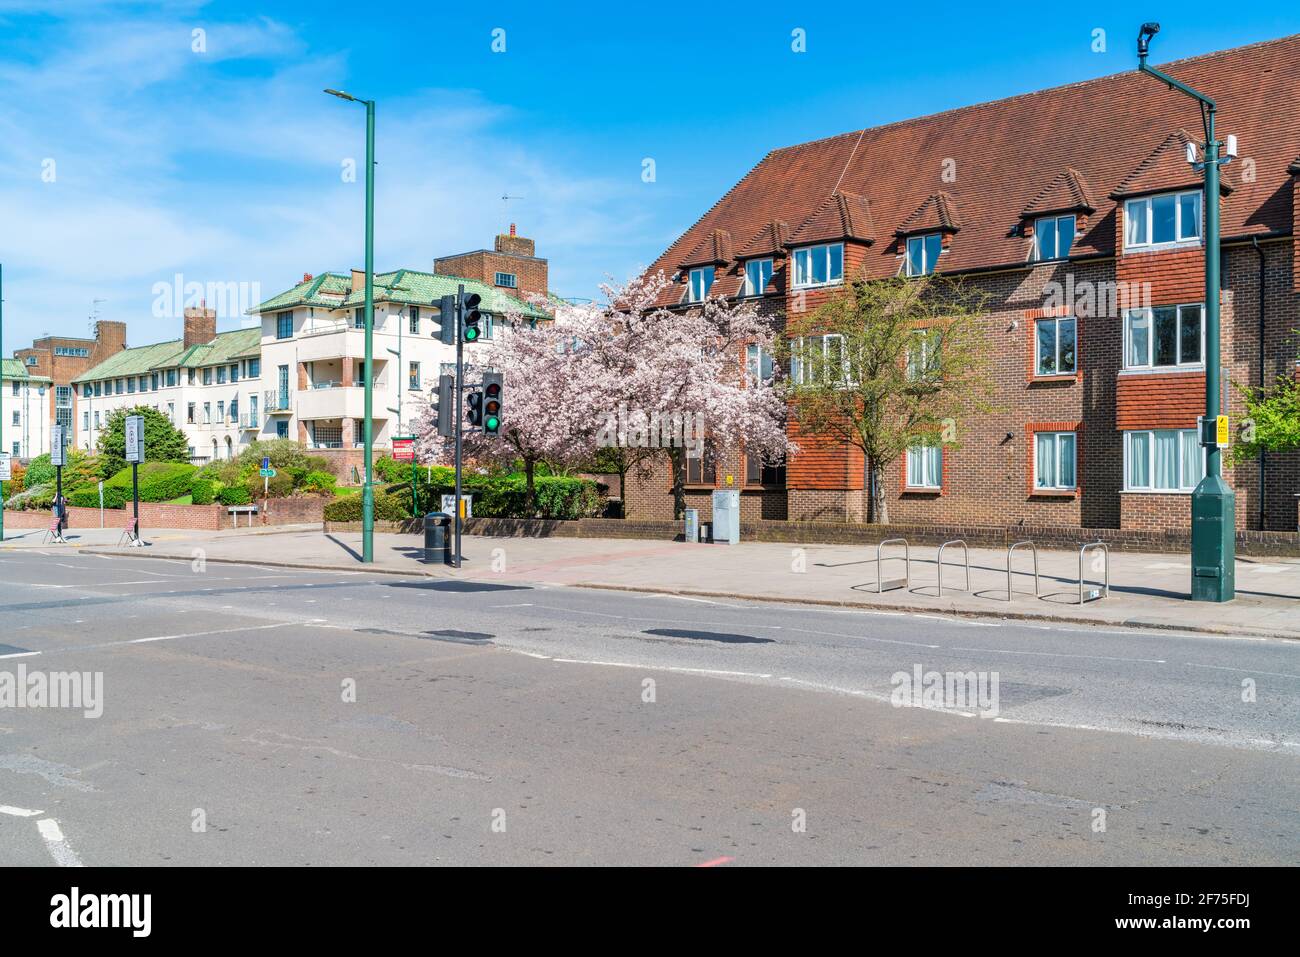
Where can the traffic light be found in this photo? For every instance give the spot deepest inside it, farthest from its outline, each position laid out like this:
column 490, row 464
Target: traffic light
column 445, row 320
column 475, row 413
column 471, row 317
column 492, row 403
column 443, row 407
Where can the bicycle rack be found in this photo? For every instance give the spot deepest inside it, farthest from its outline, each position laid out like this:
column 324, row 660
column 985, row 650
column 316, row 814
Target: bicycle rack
column 965, row 552
column 1010, row 550
column 907, row 564
column 1105, row 592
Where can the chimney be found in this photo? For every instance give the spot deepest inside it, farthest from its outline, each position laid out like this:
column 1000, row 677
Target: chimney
column 515, row 245
column 307, row 277
column 200, row 325
column 358, row 280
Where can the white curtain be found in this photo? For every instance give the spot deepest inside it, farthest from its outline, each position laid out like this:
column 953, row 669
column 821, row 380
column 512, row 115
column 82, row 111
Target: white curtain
column 1046, row 460
column 1139, row 460
column 1166, row 467
column 1066, row 440
column 1193, row 461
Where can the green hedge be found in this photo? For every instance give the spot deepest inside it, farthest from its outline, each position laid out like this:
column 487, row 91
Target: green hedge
column 203, row 492
column 159, row 482
column 507, row 496
column 388, row 508
column 234, row 495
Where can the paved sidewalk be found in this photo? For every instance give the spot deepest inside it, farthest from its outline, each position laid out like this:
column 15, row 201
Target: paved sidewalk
column 1146, row 590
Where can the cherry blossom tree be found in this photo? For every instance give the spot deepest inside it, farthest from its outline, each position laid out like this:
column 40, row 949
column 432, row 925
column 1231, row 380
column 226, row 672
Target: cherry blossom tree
column 629, row 375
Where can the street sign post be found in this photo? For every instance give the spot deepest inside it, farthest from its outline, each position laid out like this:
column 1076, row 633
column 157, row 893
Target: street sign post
column 267, row 474
column 135, row 455
column 58, row 457
column 6, row 473
column 404, row 451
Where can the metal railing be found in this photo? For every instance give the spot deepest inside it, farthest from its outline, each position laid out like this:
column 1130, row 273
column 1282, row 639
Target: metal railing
column 1105, row 592
column 329, row 384
column 274, row 401
column 907, row 564
column 249, row 420
column 965, row 551
column 1010, row 550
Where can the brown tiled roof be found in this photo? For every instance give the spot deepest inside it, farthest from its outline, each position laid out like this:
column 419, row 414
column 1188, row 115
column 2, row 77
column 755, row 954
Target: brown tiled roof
column 1295, row 167
column 1003, row 152
column 1164, row 169
column 840, row 216
column 768, row 241
column 938, row 212
column 713, row 248
column 1068, row 192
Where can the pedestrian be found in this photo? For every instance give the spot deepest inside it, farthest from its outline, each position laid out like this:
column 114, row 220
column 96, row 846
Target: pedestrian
column 60, row 518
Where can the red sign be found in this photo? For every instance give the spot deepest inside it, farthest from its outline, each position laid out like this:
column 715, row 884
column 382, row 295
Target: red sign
column 404, row 450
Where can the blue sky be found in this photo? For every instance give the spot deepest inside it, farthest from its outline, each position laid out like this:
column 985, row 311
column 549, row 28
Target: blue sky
column 128, row 157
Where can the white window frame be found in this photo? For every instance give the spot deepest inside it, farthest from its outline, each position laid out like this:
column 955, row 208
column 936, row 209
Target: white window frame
column 927, row 267
column 499, row 280
column 1056, row 357
column 692, row 285
column 1185, row 435
column 920, row 354
column 756, row 358
column 767, row 278
column 804, row 258
column 1149, row 312
column 1057, row 442
column 1041, row 229
column 913, row 456
column 801, row 374
column 1143, row 206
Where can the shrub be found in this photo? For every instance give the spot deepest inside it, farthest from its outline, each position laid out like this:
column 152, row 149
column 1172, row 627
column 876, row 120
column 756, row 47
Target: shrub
column 87, row 496
column 17, row 475
column 278, row 486
column 163, row 442
column 283, row 453
column 159, row 481
column 234, row 495
column 40, row 471
column 321, row 482
column 506, row 496
column 388, row 508
column 203, row 492
column 32, row 499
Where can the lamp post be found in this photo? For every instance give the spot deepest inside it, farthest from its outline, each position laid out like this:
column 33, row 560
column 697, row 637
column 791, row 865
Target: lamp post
column 2, row 394
column 368, row 427
column 1213, row 500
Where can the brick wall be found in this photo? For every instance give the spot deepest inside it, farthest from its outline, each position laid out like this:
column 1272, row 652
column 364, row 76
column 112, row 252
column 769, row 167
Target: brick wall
column 986, row 470
column 281, row 511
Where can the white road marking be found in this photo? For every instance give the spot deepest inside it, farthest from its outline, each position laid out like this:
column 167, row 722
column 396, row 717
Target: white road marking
column 18, row 811
column 1268, row 569
column 702, row 601
column 1243, row 671
column 57, row 844
column 20, row 654
column 628, row 664
column 1061, row 654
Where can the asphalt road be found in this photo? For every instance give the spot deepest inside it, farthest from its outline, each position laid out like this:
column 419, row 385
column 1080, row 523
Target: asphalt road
column 514, row 723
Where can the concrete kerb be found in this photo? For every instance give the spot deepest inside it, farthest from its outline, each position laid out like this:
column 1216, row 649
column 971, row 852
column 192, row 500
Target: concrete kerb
column 977, row 613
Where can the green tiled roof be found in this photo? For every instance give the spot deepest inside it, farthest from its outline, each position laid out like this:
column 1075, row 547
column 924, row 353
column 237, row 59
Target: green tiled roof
column 15, row 369
column 226, row 347
column 405, row 286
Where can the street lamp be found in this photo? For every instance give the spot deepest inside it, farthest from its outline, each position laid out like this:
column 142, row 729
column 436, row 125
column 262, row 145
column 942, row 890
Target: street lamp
column 1213, row 501
column 368, row 428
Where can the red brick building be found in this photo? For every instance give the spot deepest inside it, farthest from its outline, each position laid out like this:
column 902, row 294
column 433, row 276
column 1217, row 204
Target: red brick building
column 62, row 359
column 512, row 266
column 1076, row 212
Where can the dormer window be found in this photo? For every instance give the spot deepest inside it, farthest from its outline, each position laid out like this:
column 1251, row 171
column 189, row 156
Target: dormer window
column 1162, row 220
column 701, row 281
column 1053, row 237
column 923, row 253
column 758, row 273
column 819, row 265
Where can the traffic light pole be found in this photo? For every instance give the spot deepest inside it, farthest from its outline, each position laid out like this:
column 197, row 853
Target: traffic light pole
column 460, row 378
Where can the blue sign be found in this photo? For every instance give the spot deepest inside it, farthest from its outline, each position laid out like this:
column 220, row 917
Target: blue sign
column 266, row 462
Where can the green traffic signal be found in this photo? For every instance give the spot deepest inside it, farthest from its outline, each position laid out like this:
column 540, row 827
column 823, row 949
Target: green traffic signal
column 471, row 333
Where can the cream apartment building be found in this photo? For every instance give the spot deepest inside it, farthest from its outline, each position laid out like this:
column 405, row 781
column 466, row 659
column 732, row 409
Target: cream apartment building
column 25, row 417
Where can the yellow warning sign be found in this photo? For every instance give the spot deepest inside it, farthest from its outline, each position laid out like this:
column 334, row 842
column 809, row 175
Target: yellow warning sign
column 1221, row 431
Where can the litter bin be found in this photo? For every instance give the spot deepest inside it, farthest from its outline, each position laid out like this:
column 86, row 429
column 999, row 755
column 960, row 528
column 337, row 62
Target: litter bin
column 437, row 537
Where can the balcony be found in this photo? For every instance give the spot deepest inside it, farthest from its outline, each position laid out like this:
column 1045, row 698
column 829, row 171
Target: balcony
column 276, row 402
column 337, row 402
column 250, row 420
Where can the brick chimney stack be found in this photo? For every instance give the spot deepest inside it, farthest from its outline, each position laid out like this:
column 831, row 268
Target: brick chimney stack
column 515, row 245
column 200, row 325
